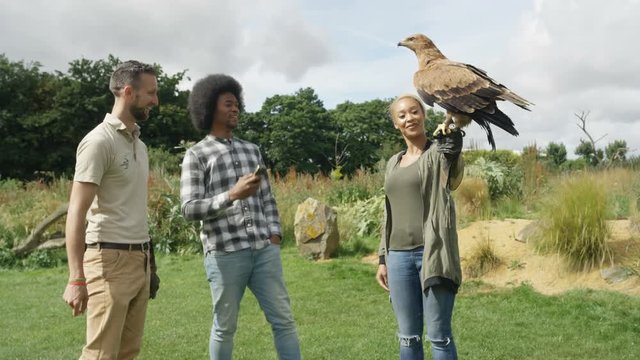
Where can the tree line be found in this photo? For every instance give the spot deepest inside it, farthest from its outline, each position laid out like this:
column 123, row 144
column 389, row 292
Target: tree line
column 43, row 116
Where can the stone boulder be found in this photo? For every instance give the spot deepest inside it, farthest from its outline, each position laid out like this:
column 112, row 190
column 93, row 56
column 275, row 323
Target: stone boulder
column 316, row 229
column 528, row 232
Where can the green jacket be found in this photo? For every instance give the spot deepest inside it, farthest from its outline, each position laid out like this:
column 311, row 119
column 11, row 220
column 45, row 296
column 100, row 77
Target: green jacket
column 441, row 168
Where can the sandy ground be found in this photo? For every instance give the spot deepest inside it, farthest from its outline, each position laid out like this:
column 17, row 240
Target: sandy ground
column 546, row 273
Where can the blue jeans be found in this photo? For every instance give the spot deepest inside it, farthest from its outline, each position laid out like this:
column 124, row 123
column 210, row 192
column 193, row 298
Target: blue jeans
column 229, row 274
column 413, row 307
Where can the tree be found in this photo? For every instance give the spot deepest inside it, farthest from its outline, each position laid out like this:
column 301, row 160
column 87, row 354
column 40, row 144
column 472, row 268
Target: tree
column 556, row 153
column 361, row 130
column 299, row 133
column 25, row 93
column 587, row 149
column 44, row 116
column 616, row 151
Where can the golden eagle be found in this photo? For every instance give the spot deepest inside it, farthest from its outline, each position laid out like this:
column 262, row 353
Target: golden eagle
column 464, row 91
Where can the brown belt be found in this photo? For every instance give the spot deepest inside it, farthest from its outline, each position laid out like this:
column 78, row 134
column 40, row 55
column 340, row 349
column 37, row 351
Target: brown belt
column 116, row 246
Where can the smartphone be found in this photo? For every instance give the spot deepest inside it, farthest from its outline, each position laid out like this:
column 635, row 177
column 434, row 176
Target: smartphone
column 261, row 170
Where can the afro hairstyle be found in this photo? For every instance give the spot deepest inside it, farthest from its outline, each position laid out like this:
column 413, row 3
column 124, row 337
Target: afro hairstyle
column 204, row 98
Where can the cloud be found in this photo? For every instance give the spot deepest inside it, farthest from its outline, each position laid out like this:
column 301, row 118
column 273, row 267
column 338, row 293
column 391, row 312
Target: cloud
column 199, row 35
column 565, row 56
column 570, row 56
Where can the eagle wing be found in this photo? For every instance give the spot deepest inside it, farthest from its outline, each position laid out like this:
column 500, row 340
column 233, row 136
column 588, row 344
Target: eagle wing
column 463, row 88
column 454, row 86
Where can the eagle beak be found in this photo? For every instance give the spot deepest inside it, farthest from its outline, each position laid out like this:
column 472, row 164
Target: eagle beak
column 403, row 43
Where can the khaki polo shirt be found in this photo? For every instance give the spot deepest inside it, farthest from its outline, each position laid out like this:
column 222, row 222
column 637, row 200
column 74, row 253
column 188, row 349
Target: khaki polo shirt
column 117, row 161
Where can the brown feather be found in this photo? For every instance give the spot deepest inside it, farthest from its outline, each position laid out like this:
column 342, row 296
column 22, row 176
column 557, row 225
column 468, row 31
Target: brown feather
column 465, row 91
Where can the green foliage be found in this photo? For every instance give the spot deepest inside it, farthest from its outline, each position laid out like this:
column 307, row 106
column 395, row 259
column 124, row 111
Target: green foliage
column 509, row 207
column 502, row 181
column 362, row 128
column 556, row 154
column 44, row 116
column 574, row 222
column 348, row 192
column 506, row 158
column 7, row 258
column 300, row 133
column 170, row 232
column 574, row 165
column 616, row 151
column 42, row 259
column 361, row 218
column 587, row 152
column 336, row 173
column 160, row 158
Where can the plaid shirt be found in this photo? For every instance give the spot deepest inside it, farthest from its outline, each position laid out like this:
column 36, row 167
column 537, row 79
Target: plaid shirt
column 209, row 170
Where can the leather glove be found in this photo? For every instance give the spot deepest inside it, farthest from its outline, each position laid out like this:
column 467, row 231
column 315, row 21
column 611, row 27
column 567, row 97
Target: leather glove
column 154, row 285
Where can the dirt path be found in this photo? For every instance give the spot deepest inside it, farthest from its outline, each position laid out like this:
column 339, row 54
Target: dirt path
column 547, row 274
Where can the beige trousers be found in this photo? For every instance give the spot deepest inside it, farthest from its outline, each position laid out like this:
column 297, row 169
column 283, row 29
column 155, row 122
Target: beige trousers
column 118, row 286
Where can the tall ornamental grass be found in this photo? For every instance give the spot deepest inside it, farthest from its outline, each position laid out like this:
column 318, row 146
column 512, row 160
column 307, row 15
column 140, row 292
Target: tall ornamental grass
column 574, row 222
column 472, row 198
column 483, row 258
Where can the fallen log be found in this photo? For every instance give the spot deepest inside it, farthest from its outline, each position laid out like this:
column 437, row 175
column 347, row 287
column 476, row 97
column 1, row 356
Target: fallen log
column 35, row 238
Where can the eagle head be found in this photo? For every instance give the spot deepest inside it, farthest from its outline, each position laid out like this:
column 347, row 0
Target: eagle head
column 416, row 42
column 422, row 46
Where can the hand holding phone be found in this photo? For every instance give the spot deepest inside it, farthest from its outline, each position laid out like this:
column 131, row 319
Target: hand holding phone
column 260, row 170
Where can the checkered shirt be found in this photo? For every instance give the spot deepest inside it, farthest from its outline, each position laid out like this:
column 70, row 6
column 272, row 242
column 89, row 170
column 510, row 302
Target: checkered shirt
column 209, row 170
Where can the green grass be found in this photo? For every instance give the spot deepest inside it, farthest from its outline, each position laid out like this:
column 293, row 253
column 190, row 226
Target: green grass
column 340, row 311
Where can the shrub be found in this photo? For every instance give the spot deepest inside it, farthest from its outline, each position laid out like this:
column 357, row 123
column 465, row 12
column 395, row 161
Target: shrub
column 506, row 158
column 362, row 218
column 483, row 258
column 502, row 180
column 167, row 227
column 163, row 159
column 41, row 259
column 7, row 259
column 573, row 222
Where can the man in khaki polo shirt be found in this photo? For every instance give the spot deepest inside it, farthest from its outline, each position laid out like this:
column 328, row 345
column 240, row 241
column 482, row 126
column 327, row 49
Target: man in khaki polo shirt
column 109, row 267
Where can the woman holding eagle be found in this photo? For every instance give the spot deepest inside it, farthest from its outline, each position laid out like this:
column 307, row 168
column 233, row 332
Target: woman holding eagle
column 419, row 260
column 419, row 256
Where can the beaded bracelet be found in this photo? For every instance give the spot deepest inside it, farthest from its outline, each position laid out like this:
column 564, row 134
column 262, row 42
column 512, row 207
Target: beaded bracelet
column 78, row 283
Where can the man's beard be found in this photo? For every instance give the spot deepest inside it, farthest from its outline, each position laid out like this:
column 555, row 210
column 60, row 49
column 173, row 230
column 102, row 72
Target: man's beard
column 138, row 113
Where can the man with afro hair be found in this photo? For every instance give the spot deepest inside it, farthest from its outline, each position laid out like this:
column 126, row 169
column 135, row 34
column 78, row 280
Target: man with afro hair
column 240, row 223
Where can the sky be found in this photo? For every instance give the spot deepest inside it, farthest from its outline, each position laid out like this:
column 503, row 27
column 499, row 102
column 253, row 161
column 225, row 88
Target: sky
column 567, row 57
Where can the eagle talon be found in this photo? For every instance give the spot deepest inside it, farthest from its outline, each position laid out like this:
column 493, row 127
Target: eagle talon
column 442, row 130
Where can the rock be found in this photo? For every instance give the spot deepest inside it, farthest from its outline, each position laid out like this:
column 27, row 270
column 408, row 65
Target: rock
column 316, row 229
column 615, row 274
column 527, row 232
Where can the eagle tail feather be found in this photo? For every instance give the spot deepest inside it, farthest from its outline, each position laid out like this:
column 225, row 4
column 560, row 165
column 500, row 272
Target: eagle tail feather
column 516, row 100
column 497, row 118
column 487, row 128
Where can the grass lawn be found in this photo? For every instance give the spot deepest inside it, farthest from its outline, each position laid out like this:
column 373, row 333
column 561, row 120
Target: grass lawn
column 340, row 312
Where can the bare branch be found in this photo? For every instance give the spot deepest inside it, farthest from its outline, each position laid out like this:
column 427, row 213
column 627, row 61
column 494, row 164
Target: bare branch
column 582, row 125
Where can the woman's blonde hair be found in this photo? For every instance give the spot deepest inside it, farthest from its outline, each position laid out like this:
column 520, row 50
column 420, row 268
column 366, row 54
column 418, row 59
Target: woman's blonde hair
column 405, row 96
